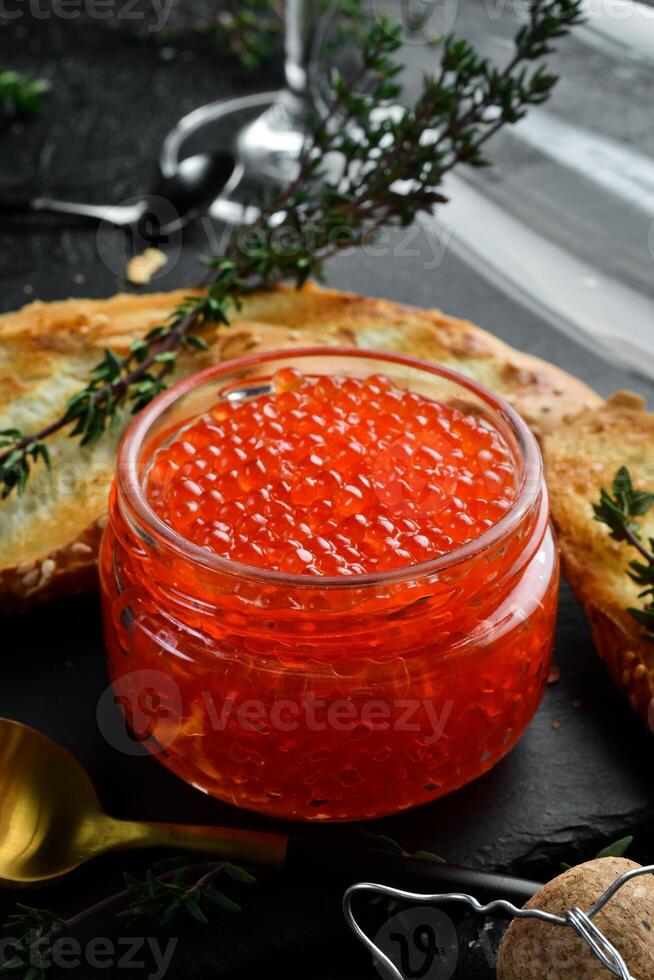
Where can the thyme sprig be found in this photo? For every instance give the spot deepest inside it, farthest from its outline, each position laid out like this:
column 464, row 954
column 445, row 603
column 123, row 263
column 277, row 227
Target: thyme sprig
column 184, row 891
column 388, row 845
column 248, row 32
column 391, row 166
column 251, row 32
column 620, row 510
column 133, row 380
column 20, row 95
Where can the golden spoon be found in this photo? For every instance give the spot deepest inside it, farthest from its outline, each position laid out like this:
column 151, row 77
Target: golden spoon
column 51, row 822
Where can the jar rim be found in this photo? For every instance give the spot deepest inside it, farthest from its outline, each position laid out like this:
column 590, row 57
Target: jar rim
column 130, row 489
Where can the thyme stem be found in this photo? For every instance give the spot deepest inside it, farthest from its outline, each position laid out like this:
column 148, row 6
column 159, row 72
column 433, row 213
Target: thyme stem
column 328, row 215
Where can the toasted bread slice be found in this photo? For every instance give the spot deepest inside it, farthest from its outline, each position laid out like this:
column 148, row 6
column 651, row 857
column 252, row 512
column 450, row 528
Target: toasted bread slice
column 49, row 536
column 579, row 459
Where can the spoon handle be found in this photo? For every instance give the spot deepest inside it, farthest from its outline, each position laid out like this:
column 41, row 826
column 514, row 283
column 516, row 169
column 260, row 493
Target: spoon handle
column 118, row 214
column 267, row 850
column 345, row 865
column 323, row 861
column 15, row 203
column 28, row 204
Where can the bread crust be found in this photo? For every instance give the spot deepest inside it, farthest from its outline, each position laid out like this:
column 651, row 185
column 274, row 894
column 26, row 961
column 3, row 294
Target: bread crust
column 579, row 459
column 48, row 543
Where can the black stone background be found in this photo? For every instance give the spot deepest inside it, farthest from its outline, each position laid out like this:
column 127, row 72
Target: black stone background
column 563, row 793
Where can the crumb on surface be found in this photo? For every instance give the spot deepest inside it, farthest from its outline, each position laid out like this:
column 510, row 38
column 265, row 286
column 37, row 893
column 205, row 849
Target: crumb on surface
column 142, row 268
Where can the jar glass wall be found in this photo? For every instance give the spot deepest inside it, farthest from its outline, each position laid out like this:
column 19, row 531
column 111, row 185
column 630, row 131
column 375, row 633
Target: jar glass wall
column 319, row 698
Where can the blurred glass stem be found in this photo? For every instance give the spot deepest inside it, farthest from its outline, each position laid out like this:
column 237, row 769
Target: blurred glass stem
column 265, row 131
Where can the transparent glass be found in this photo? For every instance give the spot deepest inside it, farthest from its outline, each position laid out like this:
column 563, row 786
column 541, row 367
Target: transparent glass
column 305, row 696
column 266, row 130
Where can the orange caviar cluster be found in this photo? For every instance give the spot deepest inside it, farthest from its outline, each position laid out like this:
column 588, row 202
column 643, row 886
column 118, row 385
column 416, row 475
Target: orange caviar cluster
column 332, row 476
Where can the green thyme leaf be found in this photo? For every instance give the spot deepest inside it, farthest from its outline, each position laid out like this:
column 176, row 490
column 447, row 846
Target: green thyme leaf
column 619, row 511
column 20, row 95
column 618, row 849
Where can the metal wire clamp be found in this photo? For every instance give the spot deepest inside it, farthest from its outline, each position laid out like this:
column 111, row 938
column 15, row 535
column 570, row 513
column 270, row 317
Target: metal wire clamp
column 580, row 921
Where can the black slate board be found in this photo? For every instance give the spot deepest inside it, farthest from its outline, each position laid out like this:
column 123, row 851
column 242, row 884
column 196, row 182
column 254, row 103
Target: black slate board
column 566, row 790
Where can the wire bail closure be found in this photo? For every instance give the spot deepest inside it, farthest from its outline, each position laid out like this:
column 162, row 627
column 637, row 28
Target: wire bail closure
column 580, row 921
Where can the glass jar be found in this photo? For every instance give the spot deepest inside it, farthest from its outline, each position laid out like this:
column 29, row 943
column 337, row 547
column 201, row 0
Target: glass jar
column 318, row 698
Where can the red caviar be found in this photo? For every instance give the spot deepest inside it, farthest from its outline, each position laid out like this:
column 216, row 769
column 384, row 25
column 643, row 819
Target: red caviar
column 319, row 585
column 332, row 476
